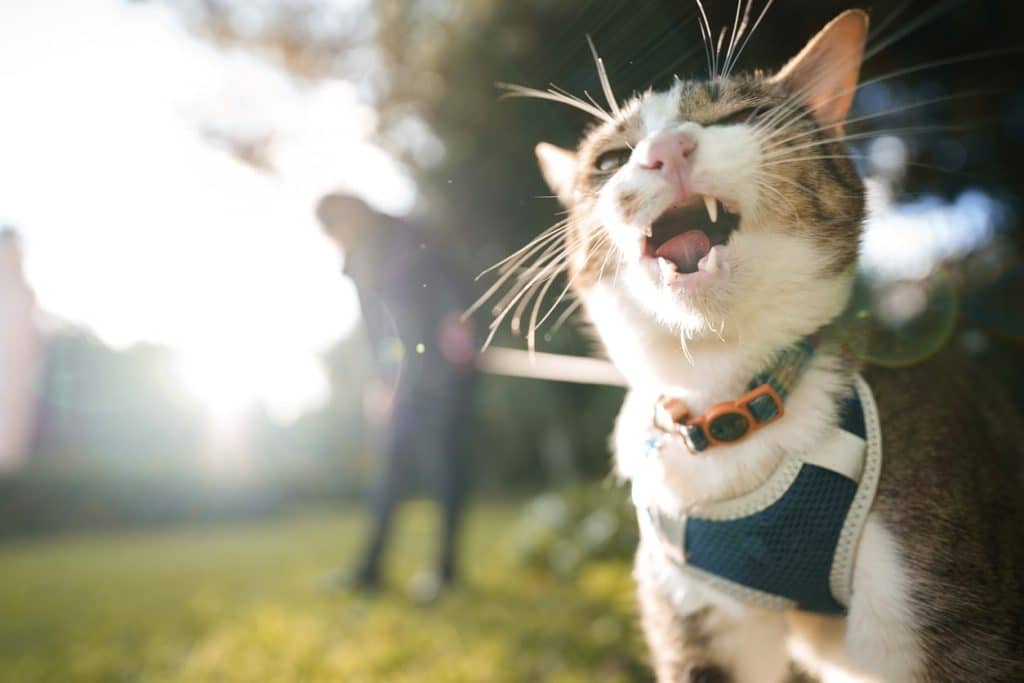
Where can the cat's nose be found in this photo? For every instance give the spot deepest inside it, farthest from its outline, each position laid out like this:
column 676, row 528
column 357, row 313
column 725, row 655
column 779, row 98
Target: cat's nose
column 668, row 151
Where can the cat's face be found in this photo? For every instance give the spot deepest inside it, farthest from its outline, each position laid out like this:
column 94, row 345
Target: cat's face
column 713, row 203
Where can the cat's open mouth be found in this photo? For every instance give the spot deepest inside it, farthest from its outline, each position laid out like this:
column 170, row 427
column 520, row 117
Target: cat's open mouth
column 683, row 238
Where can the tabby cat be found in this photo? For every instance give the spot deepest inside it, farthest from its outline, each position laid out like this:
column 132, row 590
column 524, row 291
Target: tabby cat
column 794, row 513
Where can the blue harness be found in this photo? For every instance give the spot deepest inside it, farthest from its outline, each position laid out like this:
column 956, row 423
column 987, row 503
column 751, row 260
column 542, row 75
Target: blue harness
column 792, row 541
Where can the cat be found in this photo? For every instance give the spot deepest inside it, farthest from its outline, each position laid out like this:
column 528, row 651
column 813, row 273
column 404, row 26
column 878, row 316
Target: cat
column 713, row 229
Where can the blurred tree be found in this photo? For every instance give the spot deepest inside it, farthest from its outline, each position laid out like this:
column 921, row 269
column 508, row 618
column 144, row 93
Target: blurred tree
column 430, row 67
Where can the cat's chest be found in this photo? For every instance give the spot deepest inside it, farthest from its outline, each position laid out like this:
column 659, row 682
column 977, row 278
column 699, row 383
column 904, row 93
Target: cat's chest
column 790, row 540
column 673, row 477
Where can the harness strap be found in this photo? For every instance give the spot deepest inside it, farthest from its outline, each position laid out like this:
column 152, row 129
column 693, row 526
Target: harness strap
column 814, row 505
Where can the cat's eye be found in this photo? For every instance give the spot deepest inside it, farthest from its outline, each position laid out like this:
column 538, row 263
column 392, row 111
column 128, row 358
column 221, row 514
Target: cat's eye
column 745, row 115
column 612, row 160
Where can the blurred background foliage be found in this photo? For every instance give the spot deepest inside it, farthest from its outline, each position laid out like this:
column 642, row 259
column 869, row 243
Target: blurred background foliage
column 115, row 444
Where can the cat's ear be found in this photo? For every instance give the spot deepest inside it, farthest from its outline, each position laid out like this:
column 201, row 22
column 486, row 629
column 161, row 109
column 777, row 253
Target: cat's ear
column 825, row 72
column 558, row 166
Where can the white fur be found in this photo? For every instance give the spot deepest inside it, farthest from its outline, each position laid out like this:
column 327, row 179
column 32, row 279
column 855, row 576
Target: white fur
column 704, row 347
column 768, row 267
column 876, row 641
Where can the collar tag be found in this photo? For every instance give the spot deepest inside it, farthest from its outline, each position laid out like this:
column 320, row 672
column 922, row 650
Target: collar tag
column 725, row 423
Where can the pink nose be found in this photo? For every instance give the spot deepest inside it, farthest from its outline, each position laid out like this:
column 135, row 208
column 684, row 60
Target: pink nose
column 669, row 152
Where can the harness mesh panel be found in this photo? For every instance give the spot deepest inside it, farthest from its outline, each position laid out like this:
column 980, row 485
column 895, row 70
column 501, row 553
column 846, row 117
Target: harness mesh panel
column 785, row 549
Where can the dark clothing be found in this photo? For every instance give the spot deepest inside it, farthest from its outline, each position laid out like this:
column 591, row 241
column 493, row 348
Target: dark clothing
column 443, row 459
column 411, row 297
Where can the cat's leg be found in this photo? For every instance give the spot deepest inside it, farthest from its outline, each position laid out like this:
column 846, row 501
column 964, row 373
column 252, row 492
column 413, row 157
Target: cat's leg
column 881, row 632
column 877, row 640
column 694, row 641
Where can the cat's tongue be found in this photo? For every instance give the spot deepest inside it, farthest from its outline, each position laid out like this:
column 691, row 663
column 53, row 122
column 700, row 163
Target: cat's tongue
column 685, row 250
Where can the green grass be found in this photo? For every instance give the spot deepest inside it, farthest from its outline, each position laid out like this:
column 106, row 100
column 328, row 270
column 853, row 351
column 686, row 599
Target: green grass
column 242, row 603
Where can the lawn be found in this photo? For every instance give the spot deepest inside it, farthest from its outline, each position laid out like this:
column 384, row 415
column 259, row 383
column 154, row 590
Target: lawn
column 243, row 602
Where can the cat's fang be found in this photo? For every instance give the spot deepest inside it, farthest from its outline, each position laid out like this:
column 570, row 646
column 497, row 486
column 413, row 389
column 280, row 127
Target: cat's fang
column 710, row 262
column 712, row 206
column 667, row 268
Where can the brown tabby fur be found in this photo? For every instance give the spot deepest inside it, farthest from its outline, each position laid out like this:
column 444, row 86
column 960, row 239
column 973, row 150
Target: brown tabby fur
column 951, row 489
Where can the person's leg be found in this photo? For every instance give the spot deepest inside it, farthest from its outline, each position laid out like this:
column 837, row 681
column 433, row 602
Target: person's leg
column 384, row 504
column 453, row 473
column 397, row 456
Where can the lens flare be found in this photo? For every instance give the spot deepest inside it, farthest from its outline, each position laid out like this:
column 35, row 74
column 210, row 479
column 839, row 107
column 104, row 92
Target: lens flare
column 900, row 322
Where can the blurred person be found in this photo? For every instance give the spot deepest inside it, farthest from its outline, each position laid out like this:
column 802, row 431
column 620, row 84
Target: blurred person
column 411, row 296
column 20, row 354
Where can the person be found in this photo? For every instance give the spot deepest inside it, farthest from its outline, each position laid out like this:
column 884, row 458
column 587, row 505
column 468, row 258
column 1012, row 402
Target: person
column 411, row 297
column 21, row 355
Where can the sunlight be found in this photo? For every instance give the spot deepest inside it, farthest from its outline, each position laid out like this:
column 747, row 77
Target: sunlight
column 230, row 384
column 225, row 387
column 137, row 227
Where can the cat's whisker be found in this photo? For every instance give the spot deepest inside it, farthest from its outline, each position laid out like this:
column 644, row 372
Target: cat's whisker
column 562, row 91
column 721, row 40
column 796, row 100
column 555, row 96
column 547, row 241
column 539, row 302
column 513, row 269
column 590, row 98
column 764, row 185
column 604, row 263
column 861, row 157
column 606, row 84
column 709, row 46
column 750, row 35
column 510, row 265
column 556, row 255
column 566, row 314
column 525, row 273
column 531, row 334
column 500, row 316
column 930, row 14
column 879, row 28
column 799, row 186
column 889, row 112
column 566, row 291
column 601, row 240
column 778, row 152
column 541, row 284
column 534, row 324
column 737, row 32
column 546, row 236
column 820, row 157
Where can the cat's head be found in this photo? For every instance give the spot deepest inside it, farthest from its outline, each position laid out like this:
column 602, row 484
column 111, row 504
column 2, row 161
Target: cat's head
column 724, row 203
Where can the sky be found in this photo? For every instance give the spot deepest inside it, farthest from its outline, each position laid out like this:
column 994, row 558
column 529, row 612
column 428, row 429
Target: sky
column 137, row 227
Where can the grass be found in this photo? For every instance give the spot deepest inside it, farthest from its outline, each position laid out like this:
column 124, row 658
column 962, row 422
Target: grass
column 242, row 603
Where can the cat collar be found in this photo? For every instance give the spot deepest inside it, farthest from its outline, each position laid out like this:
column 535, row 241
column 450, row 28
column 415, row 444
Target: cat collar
column 733, row 421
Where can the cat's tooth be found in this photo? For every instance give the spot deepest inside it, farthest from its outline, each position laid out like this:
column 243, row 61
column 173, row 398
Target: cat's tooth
column 712, row 206
column 712, row 264
column 667, row 268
